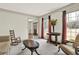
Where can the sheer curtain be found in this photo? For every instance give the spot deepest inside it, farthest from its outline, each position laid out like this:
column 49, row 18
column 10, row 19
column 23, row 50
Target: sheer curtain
column 72, row 25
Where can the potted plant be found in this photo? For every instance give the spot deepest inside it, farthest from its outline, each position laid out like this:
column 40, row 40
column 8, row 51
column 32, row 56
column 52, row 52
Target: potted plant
column 53, row 23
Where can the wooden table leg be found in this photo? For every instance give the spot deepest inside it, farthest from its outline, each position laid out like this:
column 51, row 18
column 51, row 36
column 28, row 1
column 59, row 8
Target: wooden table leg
column 56, row 40
column 49, row 39
column 24, row 48
column 31, row 52
column 37, row 52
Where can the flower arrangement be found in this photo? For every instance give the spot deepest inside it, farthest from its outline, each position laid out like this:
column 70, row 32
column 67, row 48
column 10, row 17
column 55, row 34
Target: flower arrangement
column 53, row 23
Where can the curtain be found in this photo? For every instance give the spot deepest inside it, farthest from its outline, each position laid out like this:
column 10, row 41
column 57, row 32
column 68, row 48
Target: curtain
column 64, row 27
column 49, row 28
column 42, row 28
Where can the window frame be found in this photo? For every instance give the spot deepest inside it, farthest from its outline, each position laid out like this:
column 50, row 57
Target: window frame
column 72, row 34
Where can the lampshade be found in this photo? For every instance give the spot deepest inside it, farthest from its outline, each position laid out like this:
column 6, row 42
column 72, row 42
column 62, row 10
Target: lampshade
column 73, row 24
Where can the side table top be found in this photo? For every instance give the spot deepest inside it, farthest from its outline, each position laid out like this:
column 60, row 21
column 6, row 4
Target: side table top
column 53, row 33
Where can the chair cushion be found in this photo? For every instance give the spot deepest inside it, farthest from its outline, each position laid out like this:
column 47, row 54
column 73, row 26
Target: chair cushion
column 67, row 49
column 4, row 44
column 76, row 43
column 4, row 47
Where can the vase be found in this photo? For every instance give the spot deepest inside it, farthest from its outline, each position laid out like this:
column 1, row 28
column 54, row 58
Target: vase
column 53, row 27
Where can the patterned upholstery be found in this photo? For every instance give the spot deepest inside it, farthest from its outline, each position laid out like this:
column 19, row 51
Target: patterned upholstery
column 70, row 50
column 76, row 43
column 67, row 49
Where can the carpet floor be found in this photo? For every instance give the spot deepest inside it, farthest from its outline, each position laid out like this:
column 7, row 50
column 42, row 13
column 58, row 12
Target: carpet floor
column 44, row 49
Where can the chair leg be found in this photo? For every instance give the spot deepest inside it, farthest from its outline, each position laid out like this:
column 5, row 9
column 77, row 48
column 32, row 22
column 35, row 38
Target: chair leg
column 24, row 48
column 37, row 52
column 58, row 48
column 31, row 52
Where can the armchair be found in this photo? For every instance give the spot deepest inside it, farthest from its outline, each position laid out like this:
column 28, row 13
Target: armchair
column 4, row 44
column 70, row 50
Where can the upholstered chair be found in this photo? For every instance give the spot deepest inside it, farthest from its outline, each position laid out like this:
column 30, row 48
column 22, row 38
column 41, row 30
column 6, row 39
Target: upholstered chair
column 70, row 50
column 4, row 44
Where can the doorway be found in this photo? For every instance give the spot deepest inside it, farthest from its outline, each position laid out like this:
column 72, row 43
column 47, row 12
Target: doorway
column 30, row 28
column 35, row 32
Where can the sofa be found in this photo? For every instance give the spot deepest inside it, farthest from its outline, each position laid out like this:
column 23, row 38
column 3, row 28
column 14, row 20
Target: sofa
column 4, row 44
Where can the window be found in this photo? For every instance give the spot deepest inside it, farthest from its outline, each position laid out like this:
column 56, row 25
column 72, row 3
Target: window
column 45, row 22
column 71, row 33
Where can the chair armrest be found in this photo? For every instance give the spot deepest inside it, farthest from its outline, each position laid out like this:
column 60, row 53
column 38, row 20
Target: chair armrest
column 69, row 42
column 77, row 50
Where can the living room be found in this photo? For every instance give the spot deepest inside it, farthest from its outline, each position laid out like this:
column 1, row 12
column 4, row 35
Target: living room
column 32, row 21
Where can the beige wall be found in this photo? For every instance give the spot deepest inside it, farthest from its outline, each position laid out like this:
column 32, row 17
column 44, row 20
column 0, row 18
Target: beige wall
column 39, row 27
column 18, row 22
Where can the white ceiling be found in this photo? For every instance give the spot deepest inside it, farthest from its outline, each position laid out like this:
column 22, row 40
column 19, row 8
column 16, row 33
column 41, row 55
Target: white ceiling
column 36, row 9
